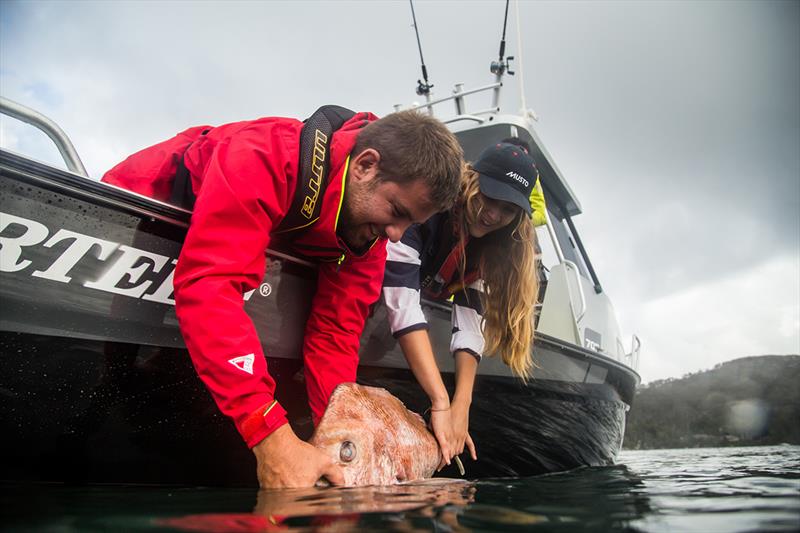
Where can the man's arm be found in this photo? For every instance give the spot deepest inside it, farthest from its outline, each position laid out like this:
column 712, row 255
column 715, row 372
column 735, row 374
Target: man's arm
column 244, row 190
column 339, row 310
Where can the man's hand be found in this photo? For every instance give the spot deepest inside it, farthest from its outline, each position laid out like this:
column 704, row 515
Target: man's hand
column 285, row 461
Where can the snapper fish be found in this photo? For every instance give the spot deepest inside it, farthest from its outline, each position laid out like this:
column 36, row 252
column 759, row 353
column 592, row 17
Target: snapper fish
column 374, row 438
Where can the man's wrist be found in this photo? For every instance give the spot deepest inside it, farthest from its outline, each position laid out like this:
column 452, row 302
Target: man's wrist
column 273, row 439
column 262, row 422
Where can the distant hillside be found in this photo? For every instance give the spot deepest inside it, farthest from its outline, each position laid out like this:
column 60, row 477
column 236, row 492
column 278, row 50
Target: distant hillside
column 749, row 401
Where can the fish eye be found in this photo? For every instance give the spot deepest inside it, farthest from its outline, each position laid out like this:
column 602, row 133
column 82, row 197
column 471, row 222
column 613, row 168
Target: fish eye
column 347, row 452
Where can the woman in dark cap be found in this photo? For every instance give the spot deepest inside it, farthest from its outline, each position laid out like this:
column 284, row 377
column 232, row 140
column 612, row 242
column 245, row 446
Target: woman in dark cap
column 481, row 255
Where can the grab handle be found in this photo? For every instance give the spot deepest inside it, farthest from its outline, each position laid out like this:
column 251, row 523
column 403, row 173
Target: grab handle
column 56, row 134
column 574, row 268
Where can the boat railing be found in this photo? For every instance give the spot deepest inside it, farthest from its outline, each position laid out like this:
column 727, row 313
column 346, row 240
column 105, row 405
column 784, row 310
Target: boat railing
column 632, row 358
column 458, row 99
column 50, row 128
column 576, row 315
column 459, row 118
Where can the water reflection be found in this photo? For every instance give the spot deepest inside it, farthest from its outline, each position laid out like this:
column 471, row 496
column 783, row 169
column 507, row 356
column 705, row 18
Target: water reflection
column 591, row 498
column 433, row 499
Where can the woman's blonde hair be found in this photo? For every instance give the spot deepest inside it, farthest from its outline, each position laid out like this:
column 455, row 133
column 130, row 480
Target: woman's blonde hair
column 507, row 267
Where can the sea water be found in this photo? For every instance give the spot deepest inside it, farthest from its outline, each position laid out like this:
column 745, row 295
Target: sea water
column 703, row 490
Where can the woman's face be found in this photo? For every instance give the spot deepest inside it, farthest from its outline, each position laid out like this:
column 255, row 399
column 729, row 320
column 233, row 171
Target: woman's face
column 491, row 215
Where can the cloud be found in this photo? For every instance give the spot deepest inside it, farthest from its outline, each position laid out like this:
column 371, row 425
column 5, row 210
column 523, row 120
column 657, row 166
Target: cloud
column 676, row 123
column 752, row 313
column 677, row 139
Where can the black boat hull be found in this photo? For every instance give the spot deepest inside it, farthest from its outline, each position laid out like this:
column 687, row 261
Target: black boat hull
column 105, row 412
column 97, row 385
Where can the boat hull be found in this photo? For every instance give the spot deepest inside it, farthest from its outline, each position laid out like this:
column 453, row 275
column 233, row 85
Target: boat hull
column 78, row 410
column 97, row 385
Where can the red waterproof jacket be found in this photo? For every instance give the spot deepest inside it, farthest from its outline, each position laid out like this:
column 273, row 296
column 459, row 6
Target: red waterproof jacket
column 244, row 176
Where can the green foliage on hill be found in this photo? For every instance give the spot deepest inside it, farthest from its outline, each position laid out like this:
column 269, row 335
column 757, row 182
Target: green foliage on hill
column 748, row 401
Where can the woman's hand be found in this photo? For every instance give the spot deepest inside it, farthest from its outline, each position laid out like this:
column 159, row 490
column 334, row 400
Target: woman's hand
column 442, row 427
column 466, row 368
column 460, row 418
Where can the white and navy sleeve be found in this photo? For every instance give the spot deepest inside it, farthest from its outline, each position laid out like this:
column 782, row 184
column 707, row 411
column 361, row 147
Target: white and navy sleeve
column 401, row 284
column 468, row 320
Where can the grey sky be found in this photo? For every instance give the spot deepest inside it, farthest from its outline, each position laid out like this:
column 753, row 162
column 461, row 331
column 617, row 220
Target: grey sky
column 677, row 124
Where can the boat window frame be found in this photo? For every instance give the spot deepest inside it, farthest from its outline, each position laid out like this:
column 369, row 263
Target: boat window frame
column 569, row 240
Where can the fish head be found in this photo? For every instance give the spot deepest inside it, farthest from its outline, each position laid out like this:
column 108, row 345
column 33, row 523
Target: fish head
column 374, row 438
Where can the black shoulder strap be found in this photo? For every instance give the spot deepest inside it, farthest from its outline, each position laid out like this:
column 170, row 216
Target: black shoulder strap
column 182, row 193
column 315, row 138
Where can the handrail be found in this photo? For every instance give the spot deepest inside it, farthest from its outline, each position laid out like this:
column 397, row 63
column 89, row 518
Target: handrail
column 56, row 134
column 488, row 111
column 569, row 264
column 636, row 346
column 553, row 238
column 479, row 120
column 457, row 94
column 576, row 317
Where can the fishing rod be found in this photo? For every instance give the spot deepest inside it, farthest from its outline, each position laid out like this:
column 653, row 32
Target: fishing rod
column 498, row 68
column 422, row 88
column 502, row 65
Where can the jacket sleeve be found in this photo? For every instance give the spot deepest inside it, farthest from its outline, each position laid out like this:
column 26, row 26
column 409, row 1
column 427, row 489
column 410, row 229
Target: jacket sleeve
column 151, row 171
column 467, row 320
column 339, row 310
column 538, row 204
column 244, row 193
column 401, row 284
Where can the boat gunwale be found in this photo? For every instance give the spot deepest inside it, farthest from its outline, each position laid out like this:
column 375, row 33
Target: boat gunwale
column 60, row 180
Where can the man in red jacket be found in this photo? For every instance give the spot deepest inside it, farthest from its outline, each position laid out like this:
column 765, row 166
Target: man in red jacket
column 382, row 176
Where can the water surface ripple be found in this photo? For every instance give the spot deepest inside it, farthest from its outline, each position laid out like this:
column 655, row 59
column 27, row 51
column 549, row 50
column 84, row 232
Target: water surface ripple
column 703, row 490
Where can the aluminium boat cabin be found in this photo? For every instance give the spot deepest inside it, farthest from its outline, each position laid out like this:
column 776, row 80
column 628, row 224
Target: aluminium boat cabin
column 97, row 385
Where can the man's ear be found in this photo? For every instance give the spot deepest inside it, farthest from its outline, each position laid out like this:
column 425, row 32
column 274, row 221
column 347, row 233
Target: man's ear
column 364, row 165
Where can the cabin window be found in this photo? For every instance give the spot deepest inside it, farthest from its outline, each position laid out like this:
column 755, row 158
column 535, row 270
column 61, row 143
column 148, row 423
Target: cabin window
column 569, row 245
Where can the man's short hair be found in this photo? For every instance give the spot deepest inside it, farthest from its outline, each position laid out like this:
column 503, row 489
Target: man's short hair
column 415, row 146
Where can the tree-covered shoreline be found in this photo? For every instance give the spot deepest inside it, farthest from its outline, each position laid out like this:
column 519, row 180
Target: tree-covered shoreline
column 745, row 402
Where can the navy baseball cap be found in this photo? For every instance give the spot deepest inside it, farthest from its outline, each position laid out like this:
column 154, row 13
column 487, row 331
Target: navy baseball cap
column 506, row 172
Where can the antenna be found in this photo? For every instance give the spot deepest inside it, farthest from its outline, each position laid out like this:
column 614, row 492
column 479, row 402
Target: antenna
column 526, row 112
column 422, row 88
